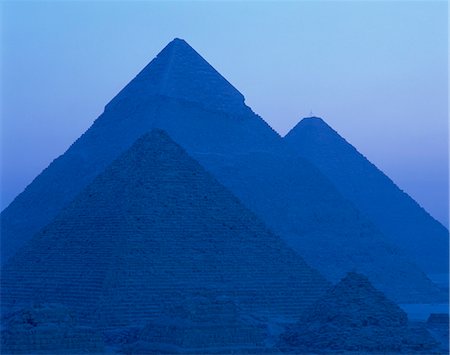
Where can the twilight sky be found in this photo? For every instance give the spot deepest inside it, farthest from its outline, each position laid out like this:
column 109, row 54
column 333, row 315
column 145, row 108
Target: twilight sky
column 375, row 71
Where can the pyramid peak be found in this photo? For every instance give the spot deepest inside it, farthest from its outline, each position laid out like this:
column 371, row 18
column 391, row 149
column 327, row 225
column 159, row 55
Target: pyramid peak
column 312, row 122
column 354, row 280
column 156, row 140
column 155, row 133
column 179, row 72
column 313, row 118
column 179, row 41
column 355, row 277
column 357, row 288
column 179, row 44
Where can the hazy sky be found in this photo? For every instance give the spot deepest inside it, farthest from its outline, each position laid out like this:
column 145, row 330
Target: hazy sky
column 375, row 71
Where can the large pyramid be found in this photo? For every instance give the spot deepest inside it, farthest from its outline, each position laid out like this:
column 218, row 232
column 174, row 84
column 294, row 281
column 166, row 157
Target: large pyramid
column 154, row 231
column 182, row 94
column 399, row 217
column 175, row 92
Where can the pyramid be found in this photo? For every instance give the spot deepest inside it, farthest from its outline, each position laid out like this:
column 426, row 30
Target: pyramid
column 181, row 73
column 152, row 231
column 182, row 94
column 354, row 316
column 303, row 207
column 398, row 216
column 156, row 97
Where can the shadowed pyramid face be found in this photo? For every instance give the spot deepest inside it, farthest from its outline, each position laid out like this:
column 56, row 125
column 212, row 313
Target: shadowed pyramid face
column 354, row 302
column 152, row 231
column 178, row 92
column 354, row 316
column 398, row 216
column 182, row 94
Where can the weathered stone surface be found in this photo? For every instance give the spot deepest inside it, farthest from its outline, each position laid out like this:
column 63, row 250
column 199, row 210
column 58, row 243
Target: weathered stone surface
column 354, row 316
column 406, row 224
column 47, row 329
column 203, row 325
column 182, row 94
column 155, row 231
column 438, row 319
column 438, row 325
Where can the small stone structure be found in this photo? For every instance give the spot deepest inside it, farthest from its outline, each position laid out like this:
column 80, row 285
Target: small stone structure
column 47, row 329
column 354, row 316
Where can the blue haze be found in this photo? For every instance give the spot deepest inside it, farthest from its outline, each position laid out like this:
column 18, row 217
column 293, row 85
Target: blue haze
column 375, row 71
column 180, row 93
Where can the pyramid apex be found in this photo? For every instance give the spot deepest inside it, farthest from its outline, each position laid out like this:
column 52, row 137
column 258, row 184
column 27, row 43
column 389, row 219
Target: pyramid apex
column 179, row 72
column 155, row 136
column 316, row 120
column 313, row 118
column 179, row 43
column 354, row 277
column 308, row 122
column 156, row 132
column 178, row 40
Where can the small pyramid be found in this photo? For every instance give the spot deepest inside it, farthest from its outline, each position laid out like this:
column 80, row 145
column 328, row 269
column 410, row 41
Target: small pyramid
column 354, row 316
column 405, row 224
column 152, row 231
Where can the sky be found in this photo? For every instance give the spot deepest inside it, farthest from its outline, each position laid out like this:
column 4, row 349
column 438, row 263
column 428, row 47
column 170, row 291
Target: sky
column 377, row 72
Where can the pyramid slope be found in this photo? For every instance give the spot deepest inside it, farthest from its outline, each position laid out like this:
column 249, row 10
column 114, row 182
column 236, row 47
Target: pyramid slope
column 188, row 121
column 399, row 217
column 303, row 207
column 354, row 316
column 155, row 230
column 180, row 72
column 246, row 155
